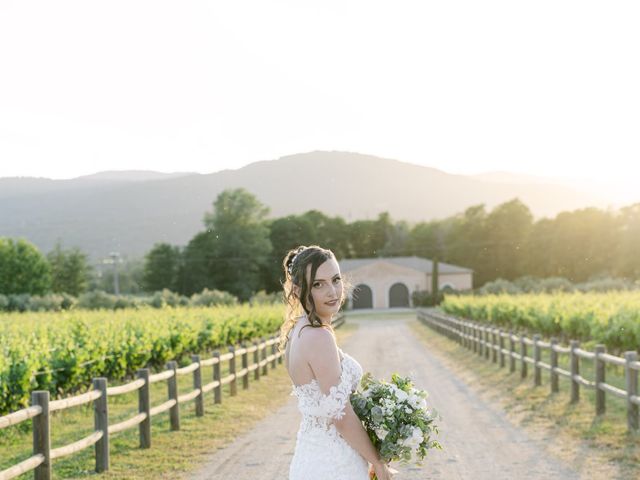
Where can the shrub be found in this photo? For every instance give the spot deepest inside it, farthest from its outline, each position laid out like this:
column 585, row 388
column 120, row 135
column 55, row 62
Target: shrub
column 208, row 298
column 4, row 302
column 18, row 302
column 499, row 285
column 166, row 297
column 97, row 299
column 424, row 298
column 555, row 284
column 44, row 303
column 529, row 284
column 263, row 298
column 607, row 284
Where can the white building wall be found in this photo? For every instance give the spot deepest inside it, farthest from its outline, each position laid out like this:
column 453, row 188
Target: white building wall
column 459, row 281
column 380, row 276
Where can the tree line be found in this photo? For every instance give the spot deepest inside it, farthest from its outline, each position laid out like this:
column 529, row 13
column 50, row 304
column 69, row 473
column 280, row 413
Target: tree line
column 240, row 250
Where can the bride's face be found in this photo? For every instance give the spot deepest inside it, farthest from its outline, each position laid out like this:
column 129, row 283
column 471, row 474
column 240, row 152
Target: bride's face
column 326, row 289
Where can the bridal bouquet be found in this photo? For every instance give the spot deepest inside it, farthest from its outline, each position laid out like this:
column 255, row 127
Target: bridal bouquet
column 396, row 418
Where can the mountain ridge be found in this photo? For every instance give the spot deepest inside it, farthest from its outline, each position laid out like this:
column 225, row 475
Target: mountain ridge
column 120, row 214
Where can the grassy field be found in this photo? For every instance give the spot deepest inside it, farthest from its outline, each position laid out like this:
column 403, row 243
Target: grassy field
column 172, row 453
column 576, row 433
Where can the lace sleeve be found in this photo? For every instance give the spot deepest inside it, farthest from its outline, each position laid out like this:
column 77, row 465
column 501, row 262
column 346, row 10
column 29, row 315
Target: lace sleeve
column 332, row 405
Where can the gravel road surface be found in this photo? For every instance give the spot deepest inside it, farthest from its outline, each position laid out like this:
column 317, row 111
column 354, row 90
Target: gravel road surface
column 479, row 441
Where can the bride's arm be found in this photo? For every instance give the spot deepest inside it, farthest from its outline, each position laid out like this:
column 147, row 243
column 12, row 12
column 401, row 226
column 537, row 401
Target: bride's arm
column 351, row 429
column 324, row 360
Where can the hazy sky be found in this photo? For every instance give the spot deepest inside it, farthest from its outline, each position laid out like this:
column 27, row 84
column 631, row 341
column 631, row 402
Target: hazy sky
column 544, row 87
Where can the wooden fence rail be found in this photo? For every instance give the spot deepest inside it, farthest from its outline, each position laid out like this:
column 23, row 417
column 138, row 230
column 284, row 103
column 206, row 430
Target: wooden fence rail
column 475, row 337
column 41, row 407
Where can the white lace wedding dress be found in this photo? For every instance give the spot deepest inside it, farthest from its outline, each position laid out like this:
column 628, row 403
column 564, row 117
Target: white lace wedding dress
column 321, row 453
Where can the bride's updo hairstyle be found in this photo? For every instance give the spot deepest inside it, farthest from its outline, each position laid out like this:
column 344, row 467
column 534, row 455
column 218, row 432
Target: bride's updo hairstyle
column 295, row 266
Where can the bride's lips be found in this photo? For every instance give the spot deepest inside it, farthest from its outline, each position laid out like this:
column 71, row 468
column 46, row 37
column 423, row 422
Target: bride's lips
column 332, row 303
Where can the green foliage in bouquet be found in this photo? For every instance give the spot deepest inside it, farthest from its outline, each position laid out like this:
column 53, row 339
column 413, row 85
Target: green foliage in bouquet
column 396, row 418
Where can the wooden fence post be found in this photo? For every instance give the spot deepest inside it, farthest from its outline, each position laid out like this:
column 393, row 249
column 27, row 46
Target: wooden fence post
column 41, row 434
column 599, row 367
column 473, row 341
column 486, row 342
column 537, row 371
column 197, row 384
column 217, row 391
column 575, row 371
column 101, row 423
column 144, row 406
column 474, row 334
column 245, row 364
column 256, row 360
column 265, row 367
column 512, row 351
column 233, row 387
column 494, row 344
column 463, row 328
column 554, row 364
column 468, row 332
column 273, row 352
column 523, row 354
column 172, row 390
column 631, row 377
column 501, row 344
column 455, row 336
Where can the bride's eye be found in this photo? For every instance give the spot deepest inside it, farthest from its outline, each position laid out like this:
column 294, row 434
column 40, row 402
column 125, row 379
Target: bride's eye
column 337, row 279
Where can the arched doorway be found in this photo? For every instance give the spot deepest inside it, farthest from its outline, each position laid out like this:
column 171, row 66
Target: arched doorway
column 398, row 295
column 362, row 297
column 447, row 288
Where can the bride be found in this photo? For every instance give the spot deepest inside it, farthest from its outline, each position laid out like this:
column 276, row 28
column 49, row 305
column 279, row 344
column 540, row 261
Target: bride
column 331, row 443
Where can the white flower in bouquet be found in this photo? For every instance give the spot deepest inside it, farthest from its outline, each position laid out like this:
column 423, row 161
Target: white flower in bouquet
column 415, row 401
column 415, row 439
column 401, row 395
column 381, row 433
column 396, row 418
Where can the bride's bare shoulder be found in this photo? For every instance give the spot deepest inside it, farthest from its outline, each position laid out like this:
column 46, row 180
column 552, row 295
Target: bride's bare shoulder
column 318, row 340
column 315, row 334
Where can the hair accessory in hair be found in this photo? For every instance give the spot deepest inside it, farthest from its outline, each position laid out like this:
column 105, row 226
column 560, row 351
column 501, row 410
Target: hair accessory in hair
column 290, row 267
column 293, row 259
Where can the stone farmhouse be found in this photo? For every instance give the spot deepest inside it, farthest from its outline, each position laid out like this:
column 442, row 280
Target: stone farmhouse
column 388, row 282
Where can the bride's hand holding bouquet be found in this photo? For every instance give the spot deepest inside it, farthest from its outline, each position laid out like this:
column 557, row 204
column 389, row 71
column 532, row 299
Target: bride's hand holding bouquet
column 397, row 420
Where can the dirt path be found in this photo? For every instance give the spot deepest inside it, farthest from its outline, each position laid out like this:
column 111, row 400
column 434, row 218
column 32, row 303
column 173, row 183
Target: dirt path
column 479, row 441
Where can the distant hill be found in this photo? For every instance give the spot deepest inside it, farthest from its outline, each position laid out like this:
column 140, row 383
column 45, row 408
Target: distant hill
column 516, row 178
column 130, row 211
column 21, row 186
column 132, row 175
